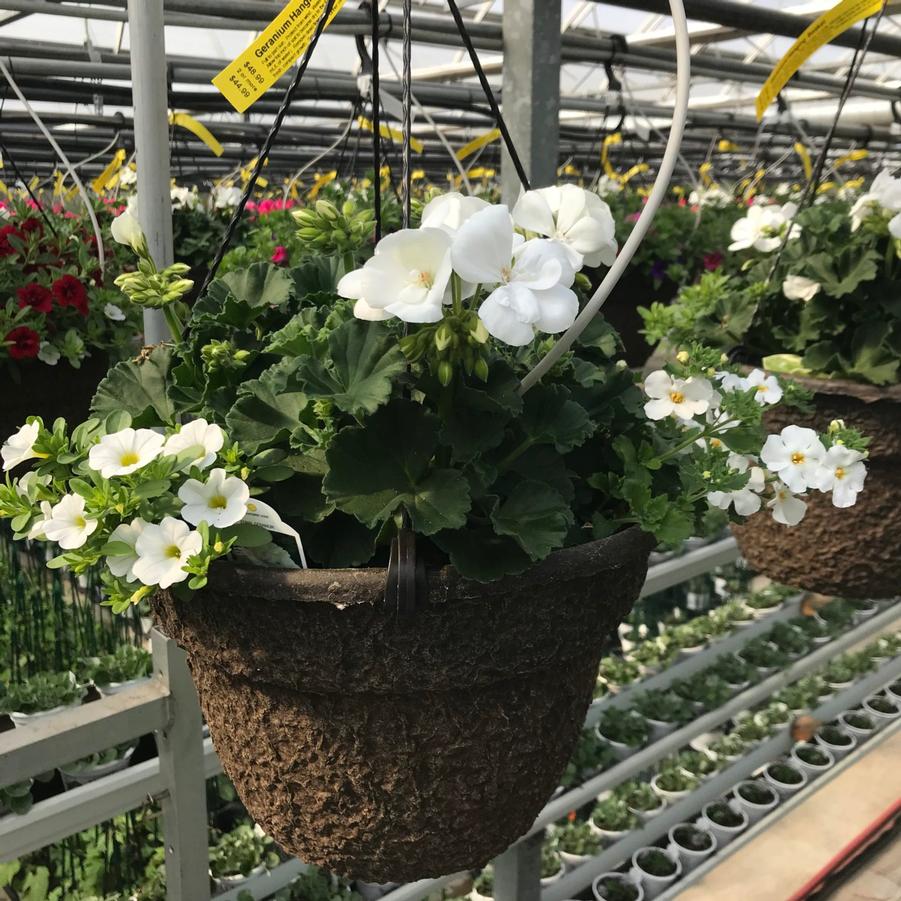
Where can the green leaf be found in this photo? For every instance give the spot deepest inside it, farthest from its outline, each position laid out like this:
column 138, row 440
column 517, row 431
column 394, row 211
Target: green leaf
column 375, row 470
column 483, row 555
column 841, row 274
column 536, row 516
column 339, row 541
column 152, row 489
column 247, row 535
column 138, row 388
column 550, row 416
column 872, row 357
column 260, row 285
column 363, row 361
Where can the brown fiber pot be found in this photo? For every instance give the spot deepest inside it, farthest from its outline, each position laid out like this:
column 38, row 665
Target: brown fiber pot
column 853, row 552
column 392, row 749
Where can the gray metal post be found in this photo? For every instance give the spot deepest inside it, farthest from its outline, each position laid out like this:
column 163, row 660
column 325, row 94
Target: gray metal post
column 151, row 105
column 531, row 94
column 517, row 872
column 180, row 747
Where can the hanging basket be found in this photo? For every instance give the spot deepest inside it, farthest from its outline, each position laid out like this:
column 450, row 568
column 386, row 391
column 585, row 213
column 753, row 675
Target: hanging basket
column 849, row 552
column 392, row 748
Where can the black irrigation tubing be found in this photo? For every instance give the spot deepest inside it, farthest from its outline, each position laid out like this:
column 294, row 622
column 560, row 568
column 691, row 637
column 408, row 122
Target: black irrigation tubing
column 376, row 123
column 407, row 107
column 489, row 95
column 267, row 147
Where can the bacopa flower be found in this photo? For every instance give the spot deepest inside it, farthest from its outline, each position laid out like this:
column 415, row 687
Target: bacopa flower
column 6, row 246
column 70, row 292
column 24, row 343
column 163, row 552
column 68, row 526
column 797, row 287
column 746, row 501
column 788, row 510
column 795, row 455
column 220, row 502
column 577, row 218
column 682, row 398
column 20, row 447
column 122, row 565
column 764, row 228
column 767, row 389
column 207, row 439
column 35, row 296
column 125, row 452
column 843, row 473
column 406, row 277
column 449, row 211
column 280, row 255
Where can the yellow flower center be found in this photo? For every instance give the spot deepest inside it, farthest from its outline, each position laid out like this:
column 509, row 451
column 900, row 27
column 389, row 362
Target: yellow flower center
column 173, row 551
column 677, row 397
column 80, row 522
column 129, row 458
column 798, row 458
column 840, row 473
column 218, row 502
column 761, row 389
column 425, row 280
column 715, row 442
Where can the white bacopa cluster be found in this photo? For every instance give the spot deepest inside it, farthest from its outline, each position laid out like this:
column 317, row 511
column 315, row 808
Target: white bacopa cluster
column 519, row 266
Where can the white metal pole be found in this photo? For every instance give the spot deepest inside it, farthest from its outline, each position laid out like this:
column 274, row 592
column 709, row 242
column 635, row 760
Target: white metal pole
column 151, row 123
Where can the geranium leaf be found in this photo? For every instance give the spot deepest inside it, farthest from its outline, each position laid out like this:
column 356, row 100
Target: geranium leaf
column 139, row 388
column 536, row 516
column 483, row 555
column 260, row 285
column 340, row 541
column 550, row 416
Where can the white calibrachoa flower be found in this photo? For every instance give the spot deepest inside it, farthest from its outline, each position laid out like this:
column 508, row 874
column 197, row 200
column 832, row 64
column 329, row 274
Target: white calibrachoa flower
column 577, row 218
column 36, row 532
column 764, row 227
column 767, row 389
column 113, row 313
column 207, row 438
column 406, row 277
column 163, row 551
column 532, row 278
column 449, row 211
column 49, row 354
column 797, row 287
column 20, row 447
column 746, row 501
column 795, row 455
column 787, row 509
column 682, row 398
column 122, row 565
column 220, row 502
column 68, row 526
column 843, row 473
column 125, row 452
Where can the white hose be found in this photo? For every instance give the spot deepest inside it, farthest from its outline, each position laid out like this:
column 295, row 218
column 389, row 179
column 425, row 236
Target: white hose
column 101, row 256
column 656, row 198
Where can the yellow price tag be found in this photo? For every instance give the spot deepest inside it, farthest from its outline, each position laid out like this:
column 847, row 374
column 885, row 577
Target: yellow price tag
column 635, row 170
column 478, row 143
column 100, row 183
column 615, row 138
column 804, row 153
column 727, row 146
column 320, row 181
column 704, row 171
column 819, row 33
column 392, row 134
column 198, row 129
column 853, row 157
column 281, row 44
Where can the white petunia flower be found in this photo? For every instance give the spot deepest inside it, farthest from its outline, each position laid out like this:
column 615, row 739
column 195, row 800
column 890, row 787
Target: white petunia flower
column 67, row 525
column 48, row 354
column 449, row 211
column 764, row 228
column 843, row 473
column 163, row 551
column 745, row 500
column 127, row 230
column 199, row 434
column 795, row 455
column 787, row 509
column 125, row 452
column 797, row 287
column 113, row 313
column 407, row 276
column 220, row 502
column 126, row 533
column 20, row 447
column 577, row 218
column 767, row 389
column 682, row 398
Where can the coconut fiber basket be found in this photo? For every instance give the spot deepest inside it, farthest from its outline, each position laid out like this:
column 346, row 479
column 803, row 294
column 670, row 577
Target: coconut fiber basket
column 394, row 748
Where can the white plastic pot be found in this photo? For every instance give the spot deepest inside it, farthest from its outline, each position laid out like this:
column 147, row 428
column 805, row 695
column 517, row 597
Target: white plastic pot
column 655, row 885
column 812, row 770
column 20, row 719
column 893, row 691
column 690, row 859
column 670, row 797
column 371, row 891
column 225, row 883
column 724, row 834
column 91, row 774
column 863, row 613
column 619, row 877
column 860, row 734
column 785, row 789
column 837, row 751
column 761, row 612
column 879, row 717
column 620, row 750
column 754, row 810
column 645, row 816
column 114, row 688
column 659, row 729
column 547, row 881
column 610, row 836
column 839, row 686
column 573, row 861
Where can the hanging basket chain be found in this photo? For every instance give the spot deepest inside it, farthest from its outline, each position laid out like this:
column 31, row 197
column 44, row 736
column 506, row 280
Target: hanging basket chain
column 407, row 104
column 376, row 123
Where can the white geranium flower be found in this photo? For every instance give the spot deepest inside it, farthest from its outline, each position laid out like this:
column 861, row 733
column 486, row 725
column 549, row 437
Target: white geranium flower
column 20, row 447
column 795, row 455
column 114, row 313
column 362, row 310
column 126, row 533
column 745, row 500
column 220, row 502
column 714, row 197
column 183, row 198
column 449, row 211
column 842, row 472
column 198, row 434
column 797, row 287
column 225, row 198
column 767, row 389
column 38, row 527
column 163, row 550
column 764, row 228
column 407, row 276
column 532, row 278
column 127, row 230
column 67, row 525
column 608, row 186
column 125, row 452
column 864, row 207
column 48, row 354
column 787, row 509
column 577, row 218
column 682, row 398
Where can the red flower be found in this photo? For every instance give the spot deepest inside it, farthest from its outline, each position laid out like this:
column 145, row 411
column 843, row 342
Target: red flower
column 7, row 232
column 70, row 292
column 24, row 343
column 35, row 296
column 713, row 261
column 31, row 225
column 280, row 257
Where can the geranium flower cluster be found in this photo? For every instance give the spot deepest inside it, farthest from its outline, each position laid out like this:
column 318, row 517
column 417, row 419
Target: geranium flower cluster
column 515, row 268
column 787, row 466
column 764, row 227
column 156, row 507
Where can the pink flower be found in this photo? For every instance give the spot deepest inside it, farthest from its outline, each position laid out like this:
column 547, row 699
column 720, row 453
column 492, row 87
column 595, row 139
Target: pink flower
column 280, row 257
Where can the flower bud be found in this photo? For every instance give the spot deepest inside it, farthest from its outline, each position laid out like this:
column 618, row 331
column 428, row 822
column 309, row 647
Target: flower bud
column 682, row 357
column 480, row 370
column 445, row 373
column 443, row 337
column 327, row 209
column 837, row 425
